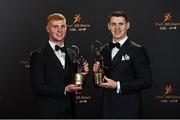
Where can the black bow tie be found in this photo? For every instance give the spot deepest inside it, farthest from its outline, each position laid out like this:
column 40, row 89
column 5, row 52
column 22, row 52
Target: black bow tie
column 112, row 45
column 59, row 48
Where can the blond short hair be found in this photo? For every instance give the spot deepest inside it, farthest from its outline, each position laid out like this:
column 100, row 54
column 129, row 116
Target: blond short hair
column 55, row 16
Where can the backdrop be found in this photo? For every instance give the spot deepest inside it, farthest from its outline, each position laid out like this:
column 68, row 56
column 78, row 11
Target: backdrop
column 154, row 23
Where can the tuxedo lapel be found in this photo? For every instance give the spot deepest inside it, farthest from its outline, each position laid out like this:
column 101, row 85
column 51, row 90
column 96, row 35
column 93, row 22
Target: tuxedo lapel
column 54, row 58
column 125, row 47
column 122, row 51
column 117, row 58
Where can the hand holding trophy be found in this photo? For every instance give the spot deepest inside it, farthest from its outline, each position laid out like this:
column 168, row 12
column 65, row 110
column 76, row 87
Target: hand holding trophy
column 79, row 62
column 99, row 65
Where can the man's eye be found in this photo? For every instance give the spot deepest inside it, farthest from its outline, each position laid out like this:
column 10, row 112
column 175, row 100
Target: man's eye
column 55, row 26
column 63, row 26
column 113, row 24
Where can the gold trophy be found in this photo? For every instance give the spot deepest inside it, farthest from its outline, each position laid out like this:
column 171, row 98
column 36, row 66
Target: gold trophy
column 79, row 78
column 78, row 62
column 98, row 76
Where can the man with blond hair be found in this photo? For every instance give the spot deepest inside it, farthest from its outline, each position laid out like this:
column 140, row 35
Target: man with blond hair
column 51, row 71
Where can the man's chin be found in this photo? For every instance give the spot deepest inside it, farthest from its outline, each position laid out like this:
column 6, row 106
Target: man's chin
column 118, row 37
column 59, row 40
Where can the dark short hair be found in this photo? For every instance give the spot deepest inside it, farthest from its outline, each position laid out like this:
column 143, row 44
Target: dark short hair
column 118, row 14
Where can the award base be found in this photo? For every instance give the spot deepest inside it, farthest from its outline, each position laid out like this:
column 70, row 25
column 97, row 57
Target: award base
column 98, row 77
column 78, row 79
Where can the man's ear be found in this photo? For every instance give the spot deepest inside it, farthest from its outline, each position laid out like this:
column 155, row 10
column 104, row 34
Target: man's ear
column 128, row 25
column 108, row 26
column 47, row 28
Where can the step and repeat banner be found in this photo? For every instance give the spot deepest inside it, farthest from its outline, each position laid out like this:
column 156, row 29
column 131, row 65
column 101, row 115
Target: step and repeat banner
column 154, row 23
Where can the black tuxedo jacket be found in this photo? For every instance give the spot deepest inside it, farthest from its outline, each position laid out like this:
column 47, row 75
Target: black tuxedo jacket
column 130, row 66
column 48, row 80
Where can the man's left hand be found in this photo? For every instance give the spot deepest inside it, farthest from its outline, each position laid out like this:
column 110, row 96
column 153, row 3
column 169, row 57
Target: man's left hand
column 109, row 83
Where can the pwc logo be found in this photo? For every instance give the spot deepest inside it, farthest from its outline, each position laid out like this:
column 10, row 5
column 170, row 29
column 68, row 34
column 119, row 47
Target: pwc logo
column 26, row 59
column 77, row 25
column 168, row 95
column 168, row 22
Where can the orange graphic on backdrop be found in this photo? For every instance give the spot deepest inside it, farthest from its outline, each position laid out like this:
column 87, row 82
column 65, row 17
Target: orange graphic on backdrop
column 77, row 18
column 168, row 89
column 167, row 17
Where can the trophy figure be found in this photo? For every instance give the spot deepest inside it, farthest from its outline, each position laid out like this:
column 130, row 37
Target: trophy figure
column 78, row 61
column 98, row 76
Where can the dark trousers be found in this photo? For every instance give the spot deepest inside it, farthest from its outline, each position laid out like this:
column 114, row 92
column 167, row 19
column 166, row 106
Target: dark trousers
column 67, row 114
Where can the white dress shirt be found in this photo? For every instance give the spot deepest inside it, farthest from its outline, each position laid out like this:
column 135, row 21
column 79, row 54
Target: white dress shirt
column 113, row 53
column 60, row 55
column 115, row 49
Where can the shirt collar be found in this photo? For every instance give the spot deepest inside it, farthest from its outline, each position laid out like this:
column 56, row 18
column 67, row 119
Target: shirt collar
column 121, row 41
column 52, row 44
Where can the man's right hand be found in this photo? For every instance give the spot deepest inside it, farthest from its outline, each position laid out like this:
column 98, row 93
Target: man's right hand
column 96, row 67
column 73, row 88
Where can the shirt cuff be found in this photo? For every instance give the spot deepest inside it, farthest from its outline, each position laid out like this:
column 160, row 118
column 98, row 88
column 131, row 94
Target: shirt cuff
column 118, row 90
column 65, row 91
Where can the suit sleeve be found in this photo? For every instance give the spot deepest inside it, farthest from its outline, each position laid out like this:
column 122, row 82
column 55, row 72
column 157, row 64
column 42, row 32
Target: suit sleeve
column 142, row 73
column 37, row 74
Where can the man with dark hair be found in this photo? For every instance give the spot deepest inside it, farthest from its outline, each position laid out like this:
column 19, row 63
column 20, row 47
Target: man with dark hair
column 51, row 71
column 127, row 71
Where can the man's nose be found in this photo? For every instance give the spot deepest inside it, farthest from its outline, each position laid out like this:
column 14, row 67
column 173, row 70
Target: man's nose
column 59, row 29
column 117, row 26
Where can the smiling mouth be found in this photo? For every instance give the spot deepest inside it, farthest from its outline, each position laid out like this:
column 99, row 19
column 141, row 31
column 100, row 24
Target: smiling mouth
column 117, row 32
column 59, row 35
